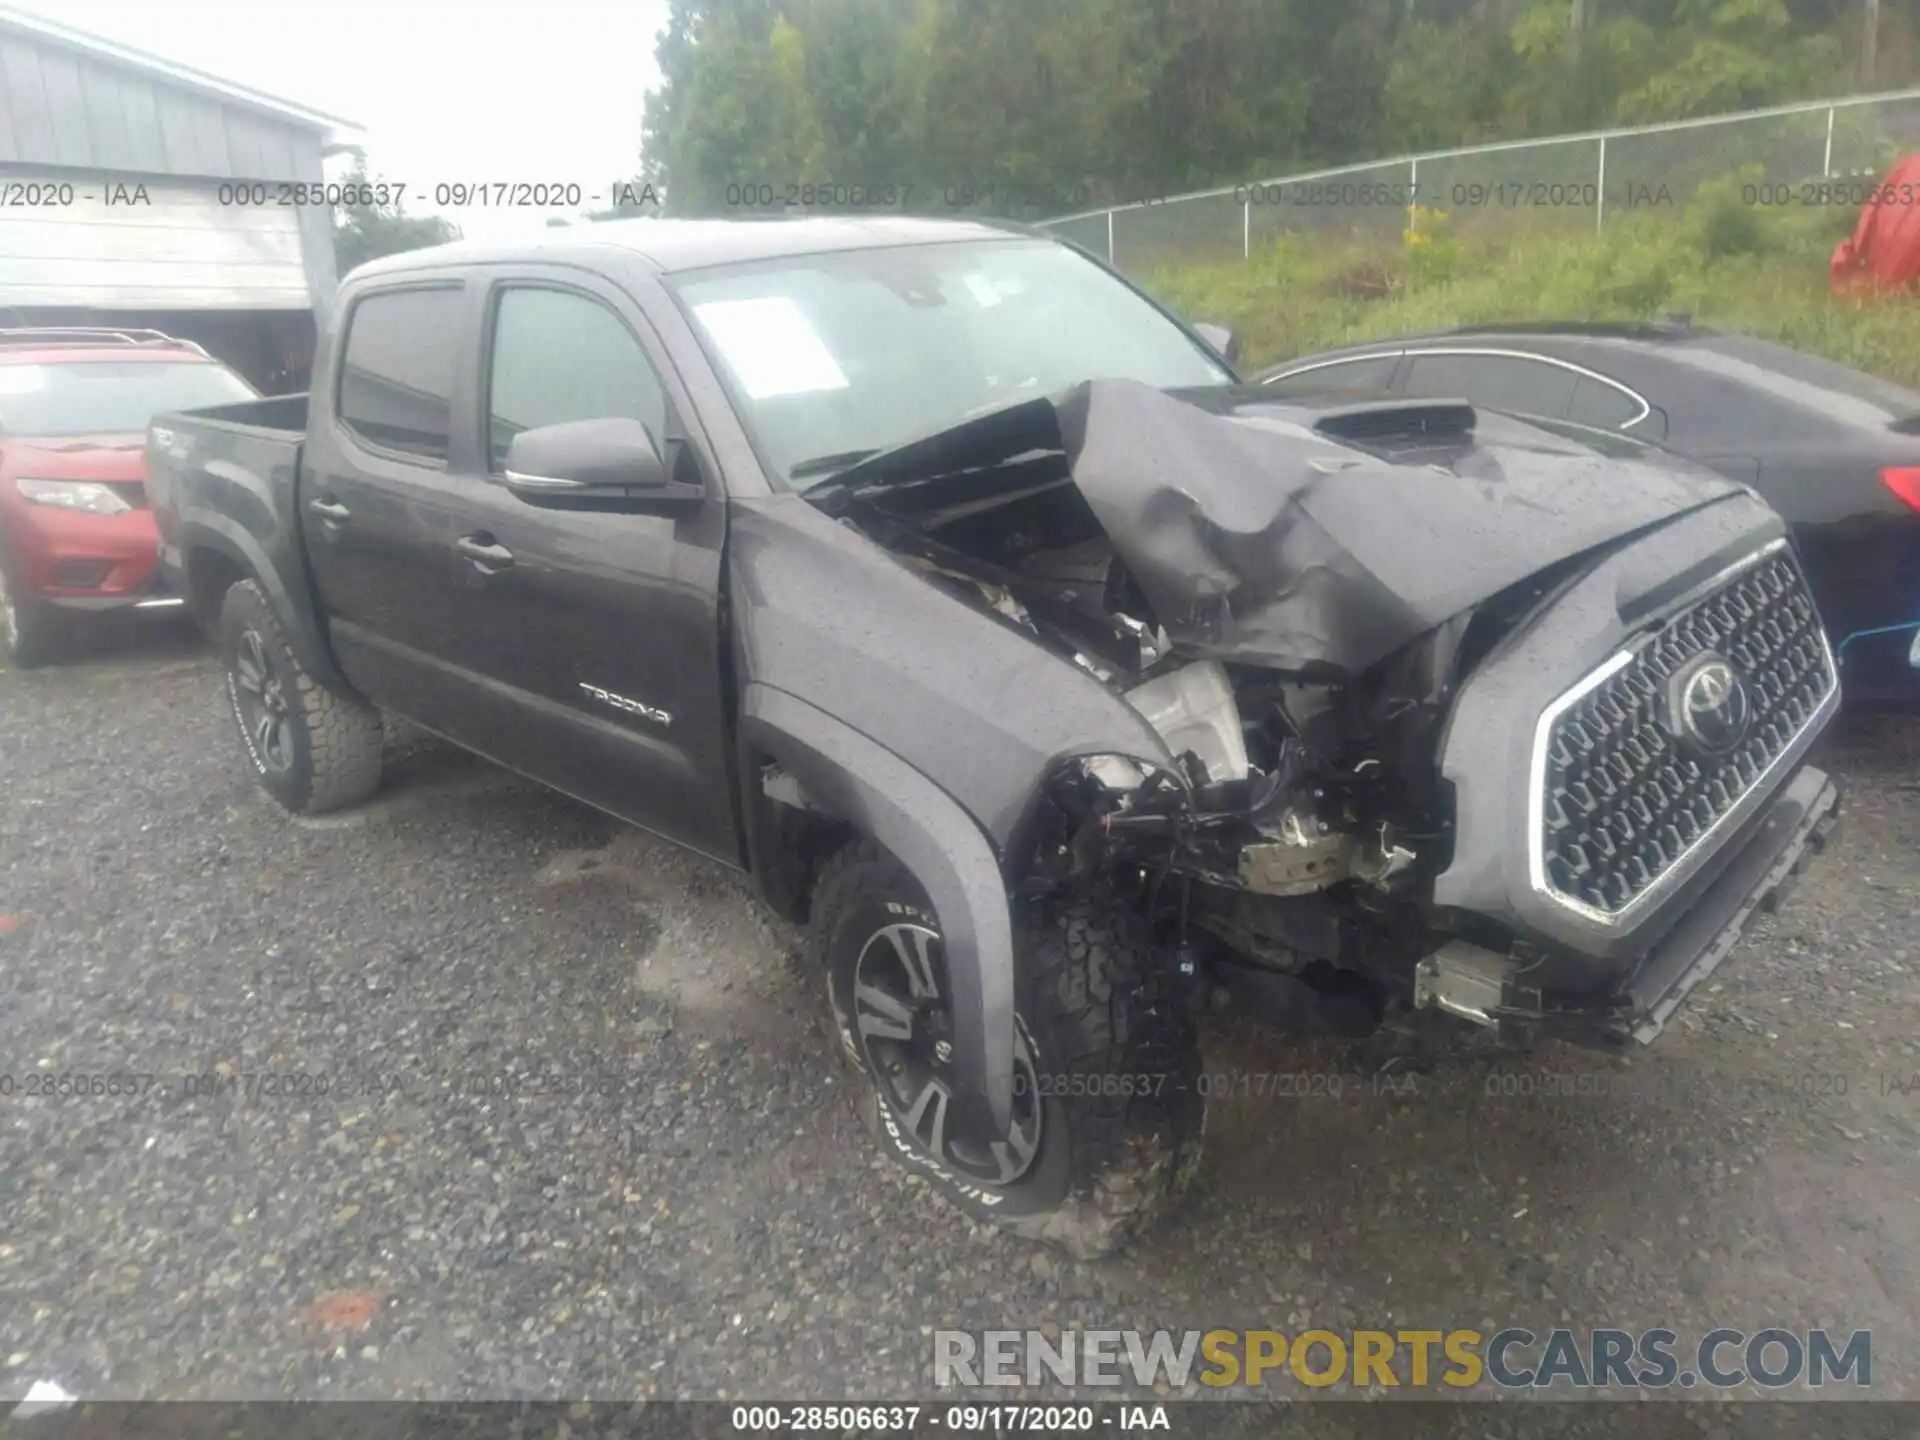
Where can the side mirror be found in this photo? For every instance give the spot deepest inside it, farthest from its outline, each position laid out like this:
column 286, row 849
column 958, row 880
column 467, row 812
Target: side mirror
column 609, row 464
column 1221, row 340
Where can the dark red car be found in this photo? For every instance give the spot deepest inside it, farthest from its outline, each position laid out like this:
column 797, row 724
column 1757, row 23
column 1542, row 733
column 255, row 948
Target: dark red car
column 76, row 532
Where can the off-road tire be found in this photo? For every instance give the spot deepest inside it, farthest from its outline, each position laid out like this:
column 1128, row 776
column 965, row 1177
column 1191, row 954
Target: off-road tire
column 1123, row 1115
column 35, row 632
column 331, row 749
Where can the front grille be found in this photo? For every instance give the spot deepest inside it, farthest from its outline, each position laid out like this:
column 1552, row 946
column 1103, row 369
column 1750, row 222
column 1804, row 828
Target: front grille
column 1624, row 796
column 80, row 574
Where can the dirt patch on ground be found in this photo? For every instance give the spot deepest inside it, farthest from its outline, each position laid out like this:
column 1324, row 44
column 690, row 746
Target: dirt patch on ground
column 714, row 947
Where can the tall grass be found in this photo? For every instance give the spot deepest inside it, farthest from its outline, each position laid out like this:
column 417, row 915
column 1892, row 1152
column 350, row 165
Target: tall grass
column 1727, row 264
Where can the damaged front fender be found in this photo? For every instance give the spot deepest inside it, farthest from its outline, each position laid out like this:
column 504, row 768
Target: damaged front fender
column 927, row 725
column 822, row 613
column 945, row 851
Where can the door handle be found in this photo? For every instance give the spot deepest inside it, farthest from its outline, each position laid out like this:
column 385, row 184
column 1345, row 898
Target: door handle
column 331, row 511
column 486, row 555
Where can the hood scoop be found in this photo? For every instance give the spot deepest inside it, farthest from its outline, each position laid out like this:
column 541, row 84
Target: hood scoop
column 1398, row 420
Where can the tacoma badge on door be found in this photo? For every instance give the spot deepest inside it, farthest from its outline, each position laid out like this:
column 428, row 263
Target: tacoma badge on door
column 632, row 707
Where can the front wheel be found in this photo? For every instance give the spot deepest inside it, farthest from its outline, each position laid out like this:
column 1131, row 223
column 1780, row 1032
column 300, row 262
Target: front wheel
column 313, row 749
column 1107, row 1112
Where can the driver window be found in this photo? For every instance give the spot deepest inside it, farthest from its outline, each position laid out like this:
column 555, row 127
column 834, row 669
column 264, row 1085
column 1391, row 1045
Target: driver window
column 558, row 356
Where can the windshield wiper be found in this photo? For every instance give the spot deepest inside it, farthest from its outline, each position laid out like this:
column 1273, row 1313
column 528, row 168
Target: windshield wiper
column 827, row 464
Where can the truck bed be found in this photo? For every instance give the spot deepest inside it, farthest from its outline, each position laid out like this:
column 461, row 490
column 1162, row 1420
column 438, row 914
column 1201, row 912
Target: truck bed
column 286, row 414
column 224, row 478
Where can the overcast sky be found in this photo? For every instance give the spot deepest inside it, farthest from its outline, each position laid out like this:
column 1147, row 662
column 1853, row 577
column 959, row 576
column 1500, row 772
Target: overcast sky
column 499, row 90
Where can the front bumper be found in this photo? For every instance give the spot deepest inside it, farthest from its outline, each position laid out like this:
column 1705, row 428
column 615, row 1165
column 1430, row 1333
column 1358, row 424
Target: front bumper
column 1793, row 829
column 77, row 561
column 158, row 596
column 1754, row 871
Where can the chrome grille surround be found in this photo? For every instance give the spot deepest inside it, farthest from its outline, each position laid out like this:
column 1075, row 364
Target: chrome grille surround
column 1620, row 814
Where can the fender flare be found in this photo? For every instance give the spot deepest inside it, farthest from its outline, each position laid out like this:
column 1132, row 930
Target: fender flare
column 945, row 850
column 216, row 532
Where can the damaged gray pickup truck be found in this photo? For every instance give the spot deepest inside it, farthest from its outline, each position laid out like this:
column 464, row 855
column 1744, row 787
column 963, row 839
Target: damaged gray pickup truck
column 935, row 577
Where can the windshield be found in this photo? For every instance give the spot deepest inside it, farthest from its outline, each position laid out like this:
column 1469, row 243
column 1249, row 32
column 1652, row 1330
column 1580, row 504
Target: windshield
column 109, row 397
column 830, row 357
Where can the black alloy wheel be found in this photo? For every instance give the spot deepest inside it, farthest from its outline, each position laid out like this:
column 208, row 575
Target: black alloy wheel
column 260, row 704
column 905, row 1029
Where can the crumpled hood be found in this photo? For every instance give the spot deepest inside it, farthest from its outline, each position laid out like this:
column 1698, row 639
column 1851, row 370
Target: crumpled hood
column 1260, row 541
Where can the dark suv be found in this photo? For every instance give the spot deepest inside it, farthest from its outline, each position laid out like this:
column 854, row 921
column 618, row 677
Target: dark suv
column 934, row 576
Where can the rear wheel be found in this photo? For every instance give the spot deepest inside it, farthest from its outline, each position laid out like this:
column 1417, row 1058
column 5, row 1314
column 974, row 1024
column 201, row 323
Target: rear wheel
column 1107, row 1114
column 31, row 631
column 313, row 749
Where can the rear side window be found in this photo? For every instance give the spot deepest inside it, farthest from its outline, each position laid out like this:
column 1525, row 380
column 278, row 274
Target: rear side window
column 396, row 378
column 1603, row 406
column 559, row 357
column 1364, row 377
column 1499, row 382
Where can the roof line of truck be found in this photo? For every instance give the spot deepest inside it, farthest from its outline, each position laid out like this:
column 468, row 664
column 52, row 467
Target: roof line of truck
column 654, row 242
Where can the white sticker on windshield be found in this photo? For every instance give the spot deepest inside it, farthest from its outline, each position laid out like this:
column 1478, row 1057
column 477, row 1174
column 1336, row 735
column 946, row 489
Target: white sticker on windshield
column 982, row 288
column 21, row 379
column 771, row 347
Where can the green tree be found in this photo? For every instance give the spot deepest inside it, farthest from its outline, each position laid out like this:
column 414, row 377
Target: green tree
column 1043, row 107
column 1213, row 89
column 1443, row 85
column 1726, row 55
column 860, row 81
column 740, row 112
column 664, row 106
column 996, row 102
column 363, row 232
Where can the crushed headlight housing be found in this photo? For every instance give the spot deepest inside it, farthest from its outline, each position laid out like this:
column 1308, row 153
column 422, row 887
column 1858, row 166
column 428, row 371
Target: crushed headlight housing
column 86, row 495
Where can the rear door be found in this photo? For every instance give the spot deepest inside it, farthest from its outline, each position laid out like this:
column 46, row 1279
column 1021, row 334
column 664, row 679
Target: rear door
column 588, row 643
column 378, row 491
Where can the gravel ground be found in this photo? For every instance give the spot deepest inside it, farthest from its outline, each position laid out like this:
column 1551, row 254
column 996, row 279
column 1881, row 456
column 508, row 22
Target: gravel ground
column 719, row 1226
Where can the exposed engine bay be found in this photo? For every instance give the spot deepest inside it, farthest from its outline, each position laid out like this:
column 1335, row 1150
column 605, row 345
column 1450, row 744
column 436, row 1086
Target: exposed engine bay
column 1277, row 790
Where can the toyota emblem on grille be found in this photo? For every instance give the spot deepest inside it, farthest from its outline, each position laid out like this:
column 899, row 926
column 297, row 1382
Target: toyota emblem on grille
column 1710, row 706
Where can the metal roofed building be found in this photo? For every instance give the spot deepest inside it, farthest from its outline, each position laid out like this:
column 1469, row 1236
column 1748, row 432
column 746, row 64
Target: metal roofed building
column 111, row 210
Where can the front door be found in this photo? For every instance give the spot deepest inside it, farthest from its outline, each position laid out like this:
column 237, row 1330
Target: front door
column 592, row 641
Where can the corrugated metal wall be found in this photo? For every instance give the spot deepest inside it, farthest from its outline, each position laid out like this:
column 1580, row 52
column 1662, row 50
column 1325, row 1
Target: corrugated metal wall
column 59, row 106
column 181, row 250
column 70, row 116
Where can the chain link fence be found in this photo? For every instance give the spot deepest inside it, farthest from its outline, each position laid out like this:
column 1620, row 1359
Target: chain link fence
column 1787, row 155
